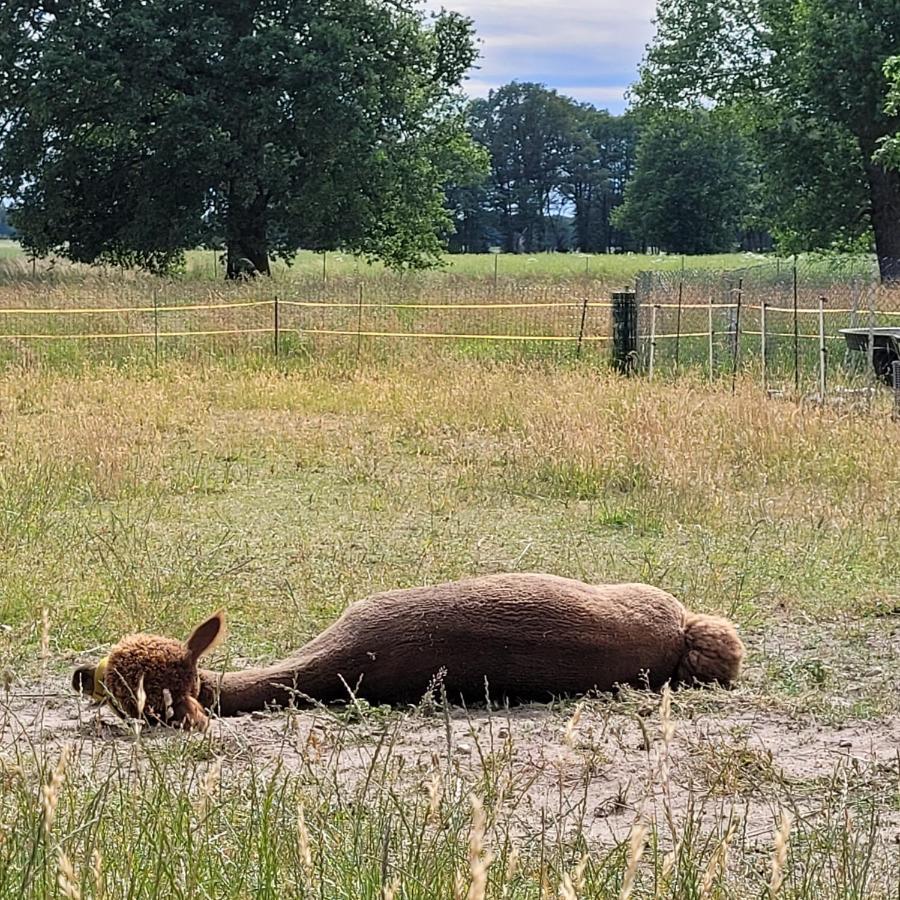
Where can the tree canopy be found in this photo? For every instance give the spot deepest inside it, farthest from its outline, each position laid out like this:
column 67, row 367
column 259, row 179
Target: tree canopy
column 133, row 130
column 807, row 79
column 690, row 186
column 557, row 170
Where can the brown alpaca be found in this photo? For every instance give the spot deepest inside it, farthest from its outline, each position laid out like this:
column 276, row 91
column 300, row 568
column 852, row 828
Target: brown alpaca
column 163, row 670
column 521, row 637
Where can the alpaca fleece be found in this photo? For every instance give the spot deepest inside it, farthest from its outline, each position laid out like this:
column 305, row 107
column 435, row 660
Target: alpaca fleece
column 516, row 636
column 164, row 665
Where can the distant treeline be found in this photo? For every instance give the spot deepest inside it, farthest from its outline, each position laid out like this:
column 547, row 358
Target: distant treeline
column 568, row 176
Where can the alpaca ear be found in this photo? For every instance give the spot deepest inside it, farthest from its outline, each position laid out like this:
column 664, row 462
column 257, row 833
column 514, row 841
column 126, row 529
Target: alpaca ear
column 207, row 635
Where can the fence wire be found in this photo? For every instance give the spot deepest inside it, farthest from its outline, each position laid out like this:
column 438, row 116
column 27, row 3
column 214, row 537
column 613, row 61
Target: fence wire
column 781, row 321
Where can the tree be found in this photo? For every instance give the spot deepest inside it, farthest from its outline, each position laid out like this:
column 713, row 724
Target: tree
column 808, row 78
column 135, row 129
column 600, row 164
column 529, row 132
column 690, row 184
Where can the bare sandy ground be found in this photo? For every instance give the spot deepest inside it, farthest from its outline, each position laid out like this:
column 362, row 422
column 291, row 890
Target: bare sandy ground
column 727, row 758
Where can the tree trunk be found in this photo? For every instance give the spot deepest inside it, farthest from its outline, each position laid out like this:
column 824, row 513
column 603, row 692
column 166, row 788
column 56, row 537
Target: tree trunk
column 246, row 240
column 884, row 191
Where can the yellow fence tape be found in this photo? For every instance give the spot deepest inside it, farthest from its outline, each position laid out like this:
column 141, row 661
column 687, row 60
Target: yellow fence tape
column 684, row 334
column 132, row 334
column 788, row 334
column 94, row 310
column 441, row 334
column 591, row 304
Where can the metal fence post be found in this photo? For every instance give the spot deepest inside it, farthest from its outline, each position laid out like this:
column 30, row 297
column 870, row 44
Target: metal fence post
column 584, row 309
column 625, row 331
column 712, row 335
column 737, row 336
column 275, row 329
column 155, row 329
column 359, row 312
column 762, row 345
column 653, row 310
column 895, row 378
column 796, row 333
column 823, row 350
column 678, row 317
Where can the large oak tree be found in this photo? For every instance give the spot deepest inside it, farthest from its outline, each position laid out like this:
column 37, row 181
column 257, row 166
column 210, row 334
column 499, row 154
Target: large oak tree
column 808, row 77
column 131, row 130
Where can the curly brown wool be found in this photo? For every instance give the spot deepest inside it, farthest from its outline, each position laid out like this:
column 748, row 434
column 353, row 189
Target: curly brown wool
column 164, row 669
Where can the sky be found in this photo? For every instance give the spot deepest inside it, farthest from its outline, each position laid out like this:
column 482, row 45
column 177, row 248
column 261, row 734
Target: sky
column 586, row 49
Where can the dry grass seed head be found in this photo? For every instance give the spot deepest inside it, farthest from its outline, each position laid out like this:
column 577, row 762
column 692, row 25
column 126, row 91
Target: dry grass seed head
column 780, row 854
column 51, row 790
column 666, row 723
column 66, row 879
column 718, row 863
column 45, row 634
column 209, row 784
column 572, row 885
column 636, row 843
column 571, row 725
column 435, row 795
column 97, row 873
column 303, row 845
column 479, row 858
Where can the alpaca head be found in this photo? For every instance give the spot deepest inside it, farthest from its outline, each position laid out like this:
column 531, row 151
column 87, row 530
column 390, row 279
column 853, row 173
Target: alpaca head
column 713, row 651
column 155, row 678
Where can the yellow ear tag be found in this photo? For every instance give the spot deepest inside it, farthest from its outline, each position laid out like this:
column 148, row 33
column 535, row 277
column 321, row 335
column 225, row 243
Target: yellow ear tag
column 99, row 692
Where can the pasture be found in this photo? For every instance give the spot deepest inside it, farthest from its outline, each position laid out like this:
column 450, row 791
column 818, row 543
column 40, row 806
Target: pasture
column 142, row 497
column 613, row 268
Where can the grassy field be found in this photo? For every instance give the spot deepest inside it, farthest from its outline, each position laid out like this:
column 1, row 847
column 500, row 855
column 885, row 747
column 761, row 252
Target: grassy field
column 143, row 498
column 617, row 269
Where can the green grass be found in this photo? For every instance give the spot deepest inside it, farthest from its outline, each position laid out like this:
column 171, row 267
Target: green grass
column 616, row 269
column 142, row 498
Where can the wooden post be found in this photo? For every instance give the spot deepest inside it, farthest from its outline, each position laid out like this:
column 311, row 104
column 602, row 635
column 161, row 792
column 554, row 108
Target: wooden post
column 653, row 310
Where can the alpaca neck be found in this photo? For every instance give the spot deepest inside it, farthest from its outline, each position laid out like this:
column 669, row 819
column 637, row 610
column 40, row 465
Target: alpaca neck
column 288, row 682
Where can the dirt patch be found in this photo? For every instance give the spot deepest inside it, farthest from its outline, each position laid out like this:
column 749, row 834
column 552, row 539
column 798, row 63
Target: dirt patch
column 597, row 769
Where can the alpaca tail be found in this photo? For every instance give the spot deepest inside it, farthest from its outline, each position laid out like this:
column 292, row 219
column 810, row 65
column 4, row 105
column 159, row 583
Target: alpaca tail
column 713, row 652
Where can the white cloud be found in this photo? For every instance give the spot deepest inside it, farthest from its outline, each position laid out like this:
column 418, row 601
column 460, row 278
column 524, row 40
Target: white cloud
column 588, row 49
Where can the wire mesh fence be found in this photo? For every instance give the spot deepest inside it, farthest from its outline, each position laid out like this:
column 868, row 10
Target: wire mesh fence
column 778, row 321
column 312, row 319
column 784, row 323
